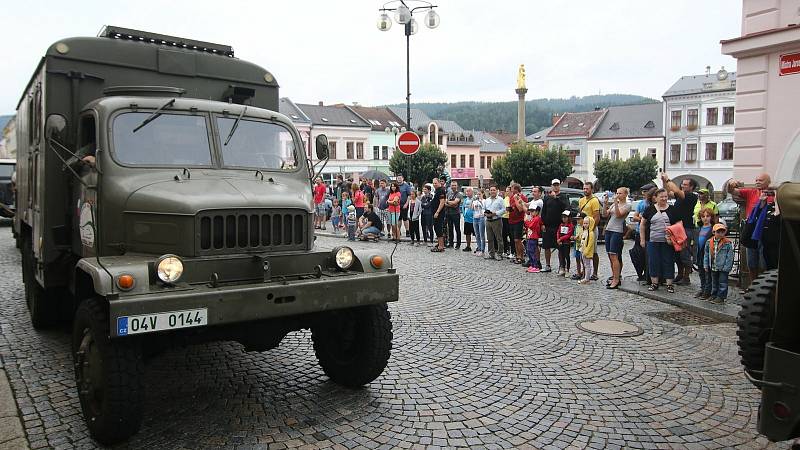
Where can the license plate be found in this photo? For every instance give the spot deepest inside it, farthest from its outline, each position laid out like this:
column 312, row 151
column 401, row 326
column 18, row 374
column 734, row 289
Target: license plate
column 148, row 323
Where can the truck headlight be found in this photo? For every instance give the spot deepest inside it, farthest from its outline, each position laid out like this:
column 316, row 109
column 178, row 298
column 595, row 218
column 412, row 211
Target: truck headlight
column 343, row 257
column 169, row 268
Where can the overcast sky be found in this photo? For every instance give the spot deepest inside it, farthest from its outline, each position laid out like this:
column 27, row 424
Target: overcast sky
column 332, row 51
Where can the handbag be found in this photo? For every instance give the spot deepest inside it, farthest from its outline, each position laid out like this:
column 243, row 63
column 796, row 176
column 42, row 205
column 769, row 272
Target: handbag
column 676, row 236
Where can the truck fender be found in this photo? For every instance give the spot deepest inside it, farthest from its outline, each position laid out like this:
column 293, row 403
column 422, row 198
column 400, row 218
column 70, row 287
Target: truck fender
column 363, row 259
column 101, row 281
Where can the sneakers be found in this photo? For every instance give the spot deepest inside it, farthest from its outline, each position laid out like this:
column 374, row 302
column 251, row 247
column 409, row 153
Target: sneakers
column 683, row 281
column 532, row 270
column 699, row 295
column 560, row 271
column 717, row 300
column 491, row 256
column 467, row 249
column 583, row 282
column 547, row 269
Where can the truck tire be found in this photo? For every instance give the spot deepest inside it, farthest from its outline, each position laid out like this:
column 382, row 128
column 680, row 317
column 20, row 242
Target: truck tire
column 755, row 322
column 41, row 305
column 353, row 345
column 108, row 375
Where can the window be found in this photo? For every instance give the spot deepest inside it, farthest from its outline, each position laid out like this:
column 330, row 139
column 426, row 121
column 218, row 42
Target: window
column 727, row 115
column 634, row 152
column 712, row 114
column 489, row 162
column 453, row 161
column 727, row 151
column 472, row 160
column 432, row 134
column 691, row 119
column 440, row 139
column 332, row 147
column 573, row 156
column 182, row 139
column 615, row 154
column 349, row 146
column 463, row 161
column 691, row 152
column 711, row 151
column 385, row 152
column 651, row 152
column 359, row 150
column 676, row 120
column 376, row 152
column 598, row 154
column 674, row 153
column 483, row 162
column 255, row 144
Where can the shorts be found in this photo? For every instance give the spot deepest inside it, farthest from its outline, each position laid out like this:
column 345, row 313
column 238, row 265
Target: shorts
column 438, row 225
column 614, row 242
column 549, row 237
column 515, row 230
column 394, row 218
column 404, row 214
column 320, row 209
column 469, row 229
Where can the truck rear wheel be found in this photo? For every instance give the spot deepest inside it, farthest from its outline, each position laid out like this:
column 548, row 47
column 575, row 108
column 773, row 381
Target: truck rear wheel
column 40, row 302
column 108, row 375
column 353, row 345
column 755, row 322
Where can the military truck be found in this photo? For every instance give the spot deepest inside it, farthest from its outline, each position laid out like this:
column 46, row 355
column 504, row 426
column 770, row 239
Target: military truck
column 7, row 188
column 768, row 333
column 163, row 200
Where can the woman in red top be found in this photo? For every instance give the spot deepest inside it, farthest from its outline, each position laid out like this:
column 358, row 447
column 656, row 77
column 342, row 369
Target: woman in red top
column 358, row 199
column 394, row 210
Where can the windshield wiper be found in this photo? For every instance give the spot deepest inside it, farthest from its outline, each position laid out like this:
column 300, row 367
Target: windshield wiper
column 235, row 124
column 153, row 116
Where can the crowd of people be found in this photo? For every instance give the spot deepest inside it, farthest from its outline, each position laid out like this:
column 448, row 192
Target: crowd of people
column 676, row 228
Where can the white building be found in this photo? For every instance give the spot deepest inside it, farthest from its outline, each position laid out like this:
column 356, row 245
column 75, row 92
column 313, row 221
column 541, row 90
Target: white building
column 381, row 144
column 571, row 133
column 699, row 124
column 626, row 131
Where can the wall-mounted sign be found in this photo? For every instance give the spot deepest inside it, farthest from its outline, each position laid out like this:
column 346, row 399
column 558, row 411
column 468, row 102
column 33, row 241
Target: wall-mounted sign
column 789, row 64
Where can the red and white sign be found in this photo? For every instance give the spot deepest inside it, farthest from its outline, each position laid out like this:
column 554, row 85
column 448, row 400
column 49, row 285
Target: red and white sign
column 789, row 64
column 408, row 143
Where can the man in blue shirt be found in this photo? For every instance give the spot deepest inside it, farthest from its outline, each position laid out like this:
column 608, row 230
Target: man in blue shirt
column 405, row 191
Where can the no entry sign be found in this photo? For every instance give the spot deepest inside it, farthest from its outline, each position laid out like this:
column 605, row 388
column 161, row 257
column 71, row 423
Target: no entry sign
column 408, row 143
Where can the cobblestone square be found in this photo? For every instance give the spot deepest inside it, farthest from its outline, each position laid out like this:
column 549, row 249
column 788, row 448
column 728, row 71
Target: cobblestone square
column 486, row 356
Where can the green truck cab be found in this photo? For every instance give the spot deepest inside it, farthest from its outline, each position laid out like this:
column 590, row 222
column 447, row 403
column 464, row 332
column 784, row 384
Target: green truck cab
column 768, row 334
column 162, row 199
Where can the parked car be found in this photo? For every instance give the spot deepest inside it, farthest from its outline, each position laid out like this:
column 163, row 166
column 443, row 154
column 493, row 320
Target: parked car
column 7, row 188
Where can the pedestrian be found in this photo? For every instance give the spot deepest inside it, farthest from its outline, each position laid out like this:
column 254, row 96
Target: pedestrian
column 516, row 216
column 414, row 207
column 507, row 244
column 336, row 215
column 494, row 226
column 660, row 253
column 319, row 204
column 552, row 206
column 537, row 193
column 590, row 205
column 685, row 201
column 346, row 201
column 588, row 243
column 439, row 198
column 358, row 199
column 533, row 227
column 718, row 259
column 339, row 187
column 564, row 237
column 381, row 197
column 479, row 222
column 453, row 212
column 752, row 197
column 394, row 211
column 427, row 215
column 705, row 232
column 761, row 231
column 328, row 209
column 578, row 255
column 638, row 254
column 371, row 226
column 466, row 213
column 617, row 211
column 367, row 187
column 405, row 190
column 352, row 223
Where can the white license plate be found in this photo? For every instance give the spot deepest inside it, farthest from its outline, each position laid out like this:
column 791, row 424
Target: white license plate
column 147, row 323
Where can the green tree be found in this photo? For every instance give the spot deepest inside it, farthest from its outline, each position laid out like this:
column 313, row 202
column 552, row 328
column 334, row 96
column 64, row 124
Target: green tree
column 421, row 167
column 529, row 164
column 499, row 171
column 632, row 173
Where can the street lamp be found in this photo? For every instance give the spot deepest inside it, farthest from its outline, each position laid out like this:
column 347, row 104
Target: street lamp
column 395, row 130
column 404, row 15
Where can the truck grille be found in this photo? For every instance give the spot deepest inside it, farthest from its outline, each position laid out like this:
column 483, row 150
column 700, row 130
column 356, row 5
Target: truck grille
column 253, row 230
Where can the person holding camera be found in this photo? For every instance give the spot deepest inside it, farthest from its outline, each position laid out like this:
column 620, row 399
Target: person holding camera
column 761, row 194
column 518, row 205
column 495, row 207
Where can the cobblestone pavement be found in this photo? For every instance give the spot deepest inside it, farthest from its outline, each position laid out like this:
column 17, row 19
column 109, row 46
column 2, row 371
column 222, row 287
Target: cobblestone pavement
column 487, row 357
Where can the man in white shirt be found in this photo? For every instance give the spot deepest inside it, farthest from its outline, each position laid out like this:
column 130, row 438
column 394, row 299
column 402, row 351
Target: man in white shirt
column 495, row 207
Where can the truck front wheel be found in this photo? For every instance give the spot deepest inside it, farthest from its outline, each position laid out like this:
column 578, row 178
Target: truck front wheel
column 108, row 375
column 755, row 322
column 353, row 345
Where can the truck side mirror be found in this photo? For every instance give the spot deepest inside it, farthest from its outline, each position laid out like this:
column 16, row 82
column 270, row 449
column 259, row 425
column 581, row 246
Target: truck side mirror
column 55, row 125
column 321, row 144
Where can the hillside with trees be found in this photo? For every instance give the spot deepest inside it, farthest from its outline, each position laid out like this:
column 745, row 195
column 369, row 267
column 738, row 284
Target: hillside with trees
column 490, row 116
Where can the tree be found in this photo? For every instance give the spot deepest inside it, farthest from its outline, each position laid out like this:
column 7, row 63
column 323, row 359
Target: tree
column 421, row 167
column 529, row 164
column 632, row 173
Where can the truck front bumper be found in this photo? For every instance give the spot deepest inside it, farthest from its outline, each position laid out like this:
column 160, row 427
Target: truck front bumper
column 248, row 302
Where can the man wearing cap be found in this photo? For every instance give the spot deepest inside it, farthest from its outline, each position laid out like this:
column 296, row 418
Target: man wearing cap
column 552, row 206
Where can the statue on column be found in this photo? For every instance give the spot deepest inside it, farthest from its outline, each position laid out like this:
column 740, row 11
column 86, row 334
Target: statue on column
column 521, row 77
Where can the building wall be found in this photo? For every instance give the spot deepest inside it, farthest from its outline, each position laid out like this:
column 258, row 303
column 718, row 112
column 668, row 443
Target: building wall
column 579, row 144
column 341, row 164
column 383, row 141
column 624, row 146
column 465, row 171
column 767, row 129
column 488, row 159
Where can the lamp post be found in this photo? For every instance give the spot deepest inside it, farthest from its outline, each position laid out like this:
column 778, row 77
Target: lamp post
column 404, row 15
column 395, row 130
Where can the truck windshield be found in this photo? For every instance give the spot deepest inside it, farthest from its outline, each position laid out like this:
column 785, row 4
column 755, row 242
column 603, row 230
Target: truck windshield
column 255, row 144
column 172, row 140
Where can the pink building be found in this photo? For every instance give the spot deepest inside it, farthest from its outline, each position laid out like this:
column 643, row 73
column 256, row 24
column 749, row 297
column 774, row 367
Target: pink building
column 767, row 130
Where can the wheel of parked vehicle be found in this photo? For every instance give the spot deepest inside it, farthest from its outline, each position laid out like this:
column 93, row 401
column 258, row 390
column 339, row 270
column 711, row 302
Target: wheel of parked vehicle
column 109, row 376
column 755, row 322
column 41, row 304
column 353, row 345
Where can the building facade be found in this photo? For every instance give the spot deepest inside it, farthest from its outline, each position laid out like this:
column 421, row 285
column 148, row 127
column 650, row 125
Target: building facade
column 491, row 149
column 626, row 131
column 767, row 135
column 382, row 144
column 571, row 133
column 463, row 156
column 299, row 120
column 699, row 122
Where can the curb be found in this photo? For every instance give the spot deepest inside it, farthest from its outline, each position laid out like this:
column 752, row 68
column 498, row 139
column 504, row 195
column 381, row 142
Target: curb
column 344, row 235
column 727, row 312
column 12, row 435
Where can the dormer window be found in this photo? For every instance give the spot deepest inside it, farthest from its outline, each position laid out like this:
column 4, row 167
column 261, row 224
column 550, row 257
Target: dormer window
column 324, row 119
column 614, row 126
column 353, row 121
column 295, row 117
column 649, row 124
column 565, row 125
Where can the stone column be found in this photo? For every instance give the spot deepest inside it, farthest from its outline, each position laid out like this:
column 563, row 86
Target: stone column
column 521, row 114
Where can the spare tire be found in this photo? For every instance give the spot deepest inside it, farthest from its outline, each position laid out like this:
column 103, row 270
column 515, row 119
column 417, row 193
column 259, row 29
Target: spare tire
column 755, row 322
